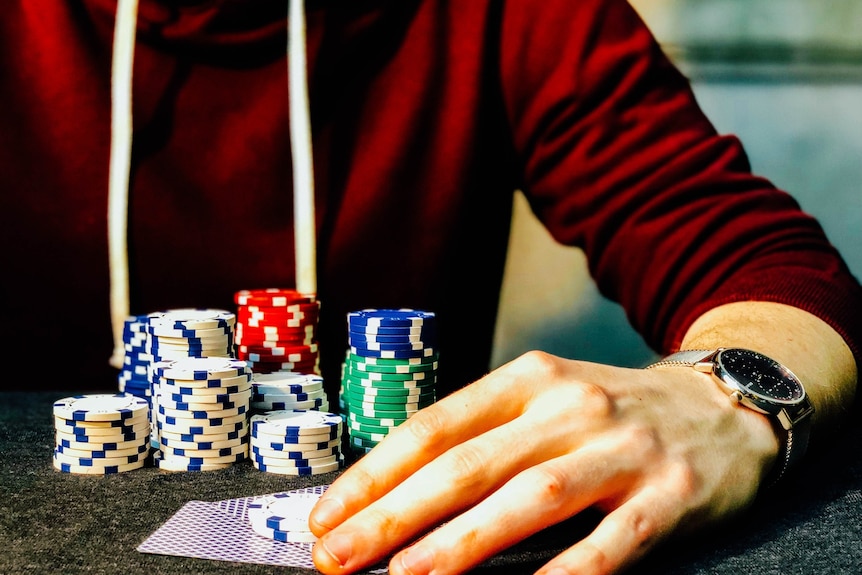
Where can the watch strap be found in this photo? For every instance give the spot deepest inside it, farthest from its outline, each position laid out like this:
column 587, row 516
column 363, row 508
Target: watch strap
column 793, row 427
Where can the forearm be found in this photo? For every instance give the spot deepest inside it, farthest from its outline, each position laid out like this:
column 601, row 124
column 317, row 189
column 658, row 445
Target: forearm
column 809, row 347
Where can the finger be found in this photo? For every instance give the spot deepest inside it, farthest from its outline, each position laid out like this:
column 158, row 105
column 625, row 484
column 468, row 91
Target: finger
column 455, row 480
column 627, row 533
column 490, row 402
column 531, row 501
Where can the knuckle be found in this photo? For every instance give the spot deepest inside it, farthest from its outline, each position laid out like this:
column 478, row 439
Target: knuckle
column 384, row 521
column 551, row 484
column 468, row 465
column 642, row 529
column 427, row 427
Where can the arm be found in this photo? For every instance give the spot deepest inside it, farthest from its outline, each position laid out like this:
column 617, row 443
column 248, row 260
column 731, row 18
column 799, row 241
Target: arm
column 801, row 341
column 660, row 451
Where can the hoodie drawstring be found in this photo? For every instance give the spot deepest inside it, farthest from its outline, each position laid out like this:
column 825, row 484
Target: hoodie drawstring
column 121, row 153
column 119, row 168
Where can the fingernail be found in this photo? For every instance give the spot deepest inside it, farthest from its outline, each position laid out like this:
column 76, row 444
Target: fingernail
column 417, row 561
column 339, row 547
column 328, row 513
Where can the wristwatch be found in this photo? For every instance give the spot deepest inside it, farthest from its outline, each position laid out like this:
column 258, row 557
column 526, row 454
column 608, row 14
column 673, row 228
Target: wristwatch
column 762, row 384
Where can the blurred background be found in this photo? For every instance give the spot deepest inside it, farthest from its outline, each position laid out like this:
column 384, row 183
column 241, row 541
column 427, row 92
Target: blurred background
column 783, row 75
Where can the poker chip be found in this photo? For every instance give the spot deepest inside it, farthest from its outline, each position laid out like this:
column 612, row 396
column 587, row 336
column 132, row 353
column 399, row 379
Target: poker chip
column 201, row 412
column 271, row 297
column 192, row 319
column 375, row 318
column 296, row 442
column 100, row 407
column 200, row 368
column 389, row 372
column 100, row 433
column 302, row 422
column 300, row 471
column 132, row 377
column 176, row 464
column 285, row 511
column 277, row 330
column 306, row 456
column 95, row 469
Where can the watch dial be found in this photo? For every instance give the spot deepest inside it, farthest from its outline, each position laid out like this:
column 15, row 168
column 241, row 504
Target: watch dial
column 761, row 375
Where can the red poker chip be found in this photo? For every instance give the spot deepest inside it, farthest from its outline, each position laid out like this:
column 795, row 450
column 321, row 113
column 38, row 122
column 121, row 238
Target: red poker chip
column 275, row 340
column 272, row 297
column 276, row 355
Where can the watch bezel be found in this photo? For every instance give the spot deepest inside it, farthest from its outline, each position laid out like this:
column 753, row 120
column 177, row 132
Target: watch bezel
column 732, row 378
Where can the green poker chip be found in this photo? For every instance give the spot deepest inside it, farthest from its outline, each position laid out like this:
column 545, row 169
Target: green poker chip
column 379, row 421
column 389, row 400
column 368, row 388
column 368, row 428
column 391, row 369
column 418, row 363
column 352, row 369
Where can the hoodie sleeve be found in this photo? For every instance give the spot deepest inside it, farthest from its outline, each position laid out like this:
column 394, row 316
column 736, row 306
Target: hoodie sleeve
column 618, row 159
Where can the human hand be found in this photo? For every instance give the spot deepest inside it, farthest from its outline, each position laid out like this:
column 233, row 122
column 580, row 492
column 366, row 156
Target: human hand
column 536, row 442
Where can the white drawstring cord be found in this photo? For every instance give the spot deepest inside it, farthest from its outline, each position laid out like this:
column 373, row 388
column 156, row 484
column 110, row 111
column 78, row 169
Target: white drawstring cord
column 119, row 169
column 121, row 153
column 305, row 237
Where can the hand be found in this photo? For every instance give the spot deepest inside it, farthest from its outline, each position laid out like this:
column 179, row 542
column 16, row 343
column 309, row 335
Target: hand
column 536, row 442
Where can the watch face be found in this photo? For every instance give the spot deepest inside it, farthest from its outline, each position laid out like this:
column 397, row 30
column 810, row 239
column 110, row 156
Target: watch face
column 759, row 375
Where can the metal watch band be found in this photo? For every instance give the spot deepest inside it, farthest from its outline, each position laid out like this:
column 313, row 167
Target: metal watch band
column 794, row 427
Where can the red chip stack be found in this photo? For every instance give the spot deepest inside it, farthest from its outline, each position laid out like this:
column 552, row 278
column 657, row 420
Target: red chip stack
column 276, row 330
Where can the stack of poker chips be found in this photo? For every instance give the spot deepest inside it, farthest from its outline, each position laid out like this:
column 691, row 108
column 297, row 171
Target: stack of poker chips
column 134, row 376
column 283, row 516
column 283, row 390
column 277, row 330
column 202, row 413
column 296, row 442
column 187, row 332
column 390, row 371
column 101, row 433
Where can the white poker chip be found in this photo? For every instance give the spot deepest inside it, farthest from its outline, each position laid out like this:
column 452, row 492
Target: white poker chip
column 192, row 319
column 95, row 470
column 296, row 421
column 177, row 464
column 285, row 511
column 281, row 382
column 294, row 455
column 298, row 440
column 320, row 403
column 199, row 414
column 101, row 407
column 113, row 433
column 201, row 385
column 299, row 471
column 200, row 368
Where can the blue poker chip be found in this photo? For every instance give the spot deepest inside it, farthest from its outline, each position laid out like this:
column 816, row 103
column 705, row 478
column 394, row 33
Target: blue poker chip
column 403, row 346
column 377, row 338
column 393, row 353
column 359, row 320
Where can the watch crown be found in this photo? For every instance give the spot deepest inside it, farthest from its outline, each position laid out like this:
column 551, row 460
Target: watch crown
column 736, row 396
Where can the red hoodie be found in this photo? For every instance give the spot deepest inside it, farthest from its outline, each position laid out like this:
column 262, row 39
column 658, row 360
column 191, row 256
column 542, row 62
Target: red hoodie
column 426, row 115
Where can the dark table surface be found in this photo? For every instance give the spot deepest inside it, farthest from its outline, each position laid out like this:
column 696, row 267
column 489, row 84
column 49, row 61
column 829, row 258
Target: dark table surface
column 52, row 522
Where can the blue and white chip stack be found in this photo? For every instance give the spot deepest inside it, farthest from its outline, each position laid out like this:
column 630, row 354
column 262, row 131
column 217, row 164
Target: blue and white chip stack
column 390, row 371
column 202, row 412
column 187, row 332
column 287, row 390
column 101, row 434
column 296, row 442
column 134, row 375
